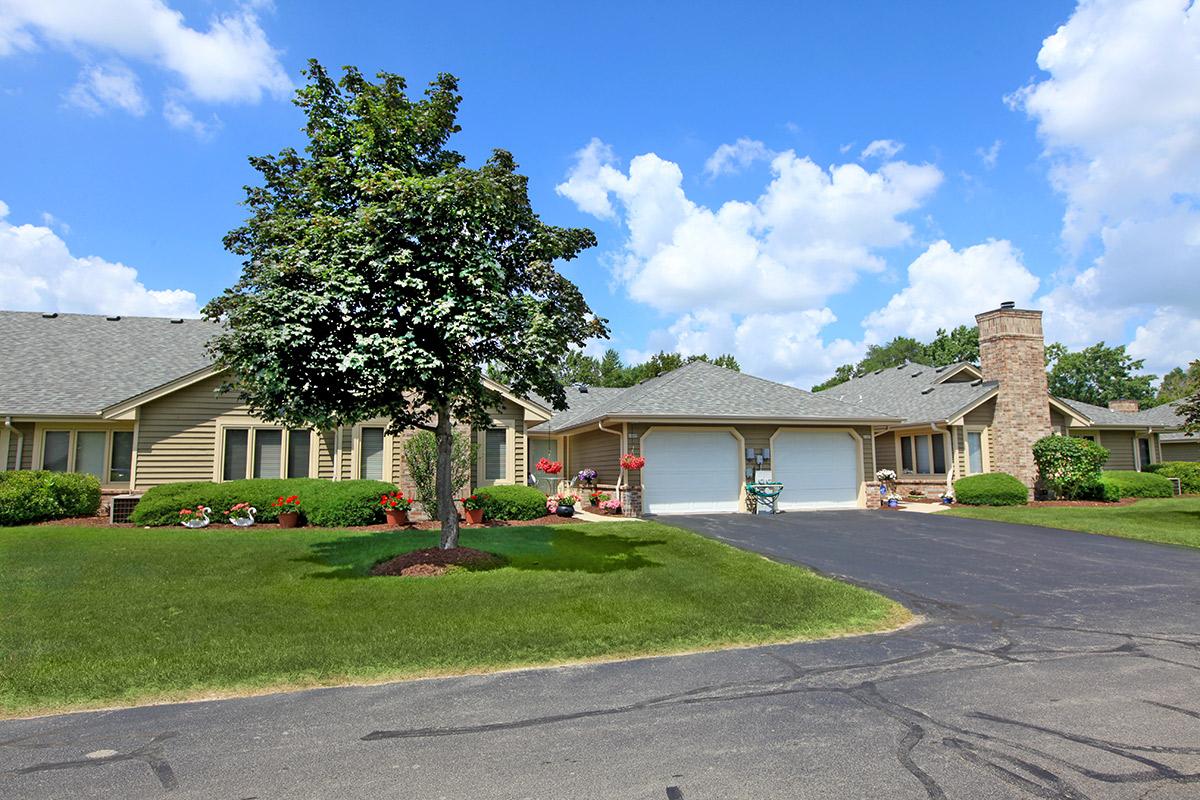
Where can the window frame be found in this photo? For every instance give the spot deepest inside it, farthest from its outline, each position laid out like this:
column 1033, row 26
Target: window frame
column 510, row 456
column 984, row 460
column 913, row 458
column 38, row 459
column 356, row 451
column 1137, row 448
column 252, row 428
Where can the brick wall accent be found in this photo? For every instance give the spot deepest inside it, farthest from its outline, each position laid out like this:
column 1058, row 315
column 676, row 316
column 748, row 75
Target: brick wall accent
column 631, row 502
column 1012, row 350
column 1128, row 406
column 873, row 496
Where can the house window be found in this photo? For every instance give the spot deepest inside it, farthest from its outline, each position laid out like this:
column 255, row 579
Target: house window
column 924, row 454
column 56, row 451
column 1087, row 436
column 89, row 452
column 495, row 447
column 299, row 444
column 974, row 452
column 120, row 464
column 1144, row 452
column 237, row 442
column 268, row 453
column 370, row 454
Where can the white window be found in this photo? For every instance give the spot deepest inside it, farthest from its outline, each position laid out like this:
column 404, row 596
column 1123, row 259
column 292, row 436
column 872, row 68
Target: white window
column 974, row 452
column 370, row 454
column 924, row 454
column 495, row 451
column 56, row 451
column 236, row 449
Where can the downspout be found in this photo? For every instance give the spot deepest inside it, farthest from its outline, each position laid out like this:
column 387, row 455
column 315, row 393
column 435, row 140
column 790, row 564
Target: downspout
column 621, row 473
column 20, row 443
column 953, row 461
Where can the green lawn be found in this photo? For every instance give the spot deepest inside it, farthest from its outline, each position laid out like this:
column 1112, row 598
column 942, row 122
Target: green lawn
column 1173, row 521
column 95, row 616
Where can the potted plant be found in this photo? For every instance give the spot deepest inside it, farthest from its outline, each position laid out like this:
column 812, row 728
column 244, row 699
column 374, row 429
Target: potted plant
column 473, row 508
column 947, row 498
column 586, row 477
column 611, row 507
column 596, row 498
column 289, row 511
column 395, row 508
column 241, row 515
column 632, row 462
column 564, row 504
column 549, row 467
column 194, row 517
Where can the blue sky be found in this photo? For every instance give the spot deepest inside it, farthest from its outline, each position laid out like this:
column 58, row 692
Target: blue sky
column 1006, row 165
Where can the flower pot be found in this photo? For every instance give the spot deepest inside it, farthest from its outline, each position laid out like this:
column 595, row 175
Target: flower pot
column 289, row 519
column 241, row 522
column 565, row 511
column 396, row 517
column 474, row 515
column 893, row 503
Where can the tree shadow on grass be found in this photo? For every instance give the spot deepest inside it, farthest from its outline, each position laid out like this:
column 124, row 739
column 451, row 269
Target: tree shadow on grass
column 532, row 548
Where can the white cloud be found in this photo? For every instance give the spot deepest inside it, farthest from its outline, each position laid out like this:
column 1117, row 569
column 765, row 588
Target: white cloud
column 1119, row 115
column 100, row 88
column 732, row 158
column 990, row 155
column 808, row 236
column 884, row 149
column 1169, row 339
column 39, row 273
column 947, row 287
column 180, row 117
column 230, row 61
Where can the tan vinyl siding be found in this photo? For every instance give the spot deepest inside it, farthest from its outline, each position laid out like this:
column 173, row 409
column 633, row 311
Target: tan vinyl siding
column 982, row 415
column 177, row 433
column 1120, row 445
column 26, row 448
column 885, row 453
column 326, row 442
column 1181, row 451
column 597, row 450
column 1059, row 421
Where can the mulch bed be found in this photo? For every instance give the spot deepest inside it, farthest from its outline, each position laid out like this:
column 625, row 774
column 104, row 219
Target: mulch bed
column 436, row 561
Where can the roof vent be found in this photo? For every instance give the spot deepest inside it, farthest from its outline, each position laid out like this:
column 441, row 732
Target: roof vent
column 1008, row 305
column 916, row 374
column 879, row 370
column 902, row 366
column 51, row 315
column 116, row 318
column 177, row 322
column 927, row 391
column 939, row 369
column 977, row 382
column 583, row 388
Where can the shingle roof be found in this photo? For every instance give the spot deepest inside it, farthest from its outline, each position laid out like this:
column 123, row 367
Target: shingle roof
column 80, row 363
column 705, row 391
column 1159, row 416
column 911, row 392
column 1180, row 437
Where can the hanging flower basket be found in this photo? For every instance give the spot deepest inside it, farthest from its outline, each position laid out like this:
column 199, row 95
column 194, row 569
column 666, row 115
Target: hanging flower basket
column 632, row 462
column 549, row 467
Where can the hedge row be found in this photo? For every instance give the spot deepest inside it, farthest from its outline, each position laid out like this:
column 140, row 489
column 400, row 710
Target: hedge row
column 32, row 496
column 323, row 503
column 1188, row 473
column 512, row 502
column 1118, row 484
column 991, row 489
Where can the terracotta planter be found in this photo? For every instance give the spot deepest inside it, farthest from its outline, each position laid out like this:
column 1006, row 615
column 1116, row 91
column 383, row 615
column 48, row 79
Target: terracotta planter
column 474, row 515
column 289, row 519
column 396, row 517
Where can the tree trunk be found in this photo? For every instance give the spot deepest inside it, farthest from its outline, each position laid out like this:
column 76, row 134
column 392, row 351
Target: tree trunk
column 444, row 482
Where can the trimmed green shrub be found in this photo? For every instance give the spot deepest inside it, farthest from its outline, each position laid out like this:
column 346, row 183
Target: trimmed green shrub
column 32, row 496
column 1069, row 465
column 327, row 504
column 1188, row 473
column 1127, row 483
column 991, row 489
column 420, row 454
column 512, row 502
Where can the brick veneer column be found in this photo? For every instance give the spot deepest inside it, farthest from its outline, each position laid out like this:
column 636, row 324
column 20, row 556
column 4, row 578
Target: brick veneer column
column 1012, row 350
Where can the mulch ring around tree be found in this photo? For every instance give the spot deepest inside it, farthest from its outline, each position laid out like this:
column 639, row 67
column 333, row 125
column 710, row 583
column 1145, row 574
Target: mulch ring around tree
column 436, row 561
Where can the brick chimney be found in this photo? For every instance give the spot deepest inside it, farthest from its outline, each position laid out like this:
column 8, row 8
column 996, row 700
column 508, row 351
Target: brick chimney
column 1012, row 350
column 1124, row 405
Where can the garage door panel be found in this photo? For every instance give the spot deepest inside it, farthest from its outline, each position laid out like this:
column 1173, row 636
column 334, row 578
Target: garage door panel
column 818, row 469
column 691, row 472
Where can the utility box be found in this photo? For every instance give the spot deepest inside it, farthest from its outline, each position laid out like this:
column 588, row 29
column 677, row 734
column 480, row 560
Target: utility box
column 121, row 506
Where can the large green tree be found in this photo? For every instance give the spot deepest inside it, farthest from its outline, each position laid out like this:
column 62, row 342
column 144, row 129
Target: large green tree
column 381, row 275
column 1178, row 384
column 1189, row 407
column 1097, row 374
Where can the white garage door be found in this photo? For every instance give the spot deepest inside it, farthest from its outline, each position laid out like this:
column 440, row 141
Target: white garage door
column 691, row 472
column 819, row 469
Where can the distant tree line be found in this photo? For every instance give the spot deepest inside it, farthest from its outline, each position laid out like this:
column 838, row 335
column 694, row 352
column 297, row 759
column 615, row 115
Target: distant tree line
column 610, row 370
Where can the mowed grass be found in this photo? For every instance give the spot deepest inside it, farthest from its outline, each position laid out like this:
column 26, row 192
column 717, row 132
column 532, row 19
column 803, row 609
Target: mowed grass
column 1172, row 521
column 92, row 616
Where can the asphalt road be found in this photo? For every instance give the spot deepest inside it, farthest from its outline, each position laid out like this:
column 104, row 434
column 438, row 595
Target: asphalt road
column 1051, row 665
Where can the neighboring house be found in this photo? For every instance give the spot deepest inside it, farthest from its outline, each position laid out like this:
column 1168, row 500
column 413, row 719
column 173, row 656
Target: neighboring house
column 1180, row 446
column 963, row 420
column 136, row 402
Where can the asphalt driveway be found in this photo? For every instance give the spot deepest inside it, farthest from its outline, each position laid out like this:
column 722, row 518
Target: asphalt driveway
column 1050, row 664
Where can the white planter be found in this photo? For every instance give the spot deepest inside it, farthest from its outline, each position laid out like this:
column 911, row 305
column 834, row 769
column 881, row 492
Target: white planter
column 202, row 522
column 244, row 522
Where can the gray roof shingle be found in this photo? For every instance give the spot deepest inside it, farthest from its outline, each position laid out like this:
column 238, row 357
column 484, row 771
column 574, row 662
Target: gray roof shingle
column 79, row 364
column 1159, row 416
column 911, row 392
column 704, row 391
